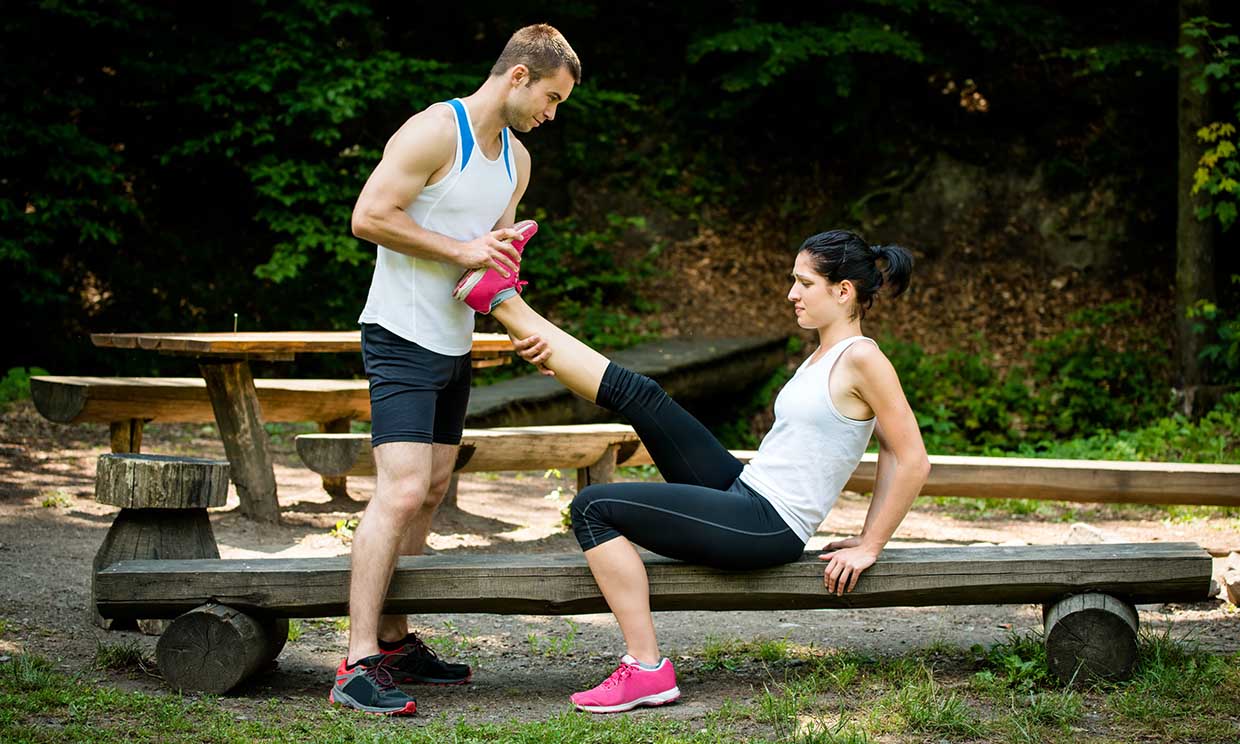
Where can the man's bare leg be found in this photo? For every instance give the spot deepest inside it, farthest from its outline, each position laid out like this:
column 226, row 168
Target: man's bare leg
column 621, row 577
column 404, row 472
column 443, row 458
column 578, row 367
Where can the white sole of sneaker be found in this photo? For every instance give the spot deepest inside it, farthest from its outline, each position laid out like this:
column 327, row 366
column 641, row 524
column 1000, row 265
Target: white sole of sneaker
column 662, row 698
column 467, row 284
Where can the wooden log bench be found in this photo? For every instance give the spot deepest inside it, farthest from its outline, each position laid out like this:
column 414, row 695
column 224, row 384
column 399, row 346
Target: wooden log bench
column 597, row 449
column 1087, row 593
column 126, row 404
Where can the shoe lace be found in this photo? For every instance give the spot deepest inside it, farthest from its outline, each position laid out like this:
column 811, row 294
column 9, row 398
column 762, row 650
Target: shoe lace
column 380, row 675
column 622, row 673
column 520, row 285
column 419, row 647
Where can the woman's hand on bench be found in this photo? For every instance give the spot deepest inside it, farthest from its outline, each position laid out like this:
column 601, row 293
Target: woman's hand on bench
column 846, row 560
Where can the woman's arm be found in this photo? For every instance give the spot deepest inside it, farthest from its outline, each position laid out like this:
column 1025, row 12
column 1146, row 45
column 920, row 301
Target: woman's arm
column 901, row 472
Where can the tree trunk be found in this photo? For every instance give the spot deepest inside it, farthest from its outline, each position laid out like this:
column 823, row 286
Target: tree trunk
column 1194, row 267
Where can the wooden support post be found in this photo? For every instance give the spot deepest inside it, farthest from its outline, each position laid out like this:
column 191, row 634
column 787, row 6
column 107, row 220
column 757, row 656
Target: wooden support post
column 214, row 648
column 126, row 435
column 336, row 486
column 1090, row 637
column 449, row 498
column 600, row 472
column 239, row 418
column 163, row 514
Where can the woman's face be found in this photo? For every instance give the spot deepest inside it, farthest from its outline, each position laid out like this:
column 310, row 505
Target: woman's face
column 816, row 301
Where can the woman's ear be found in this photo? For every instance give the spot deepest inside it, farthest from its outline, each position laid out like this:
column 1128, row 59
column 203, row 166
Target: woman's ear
column 844, row 291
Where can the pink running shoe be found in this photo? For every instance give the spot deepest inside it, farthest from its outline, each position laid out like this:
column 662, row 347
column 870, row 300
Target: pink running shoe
column 478, row 287
column 630, row 686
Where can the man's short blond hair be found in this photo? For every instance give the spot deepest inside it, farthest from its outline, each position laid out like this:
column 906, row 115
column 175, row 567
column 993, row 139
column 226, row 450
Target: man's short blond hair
column 542, row 50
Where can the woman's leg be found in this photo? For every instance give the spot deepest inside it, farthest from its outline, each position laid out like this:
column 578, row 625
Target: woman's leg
column 578, row 367
column 621, row 577
column 682, row 448
column 733, row 529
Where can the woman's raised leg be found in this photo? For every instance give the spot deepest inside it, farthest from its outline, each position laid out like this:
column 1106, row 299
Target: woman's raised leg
column 578, row 367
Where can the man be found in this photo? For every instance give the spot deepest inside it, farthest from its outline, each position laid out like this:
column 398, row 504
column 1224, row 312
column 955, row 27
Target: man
column 442, row 201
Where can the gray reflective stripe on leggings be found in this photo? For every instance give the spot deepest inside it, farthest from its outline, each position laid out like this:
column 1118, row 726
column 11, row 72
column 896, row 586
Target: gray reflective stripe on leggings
column 676, row 514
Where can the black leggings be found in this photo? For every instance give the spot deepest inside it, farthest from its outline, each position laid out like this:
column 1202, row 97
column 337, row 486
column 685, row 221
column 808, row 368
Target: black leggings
column 703, row 514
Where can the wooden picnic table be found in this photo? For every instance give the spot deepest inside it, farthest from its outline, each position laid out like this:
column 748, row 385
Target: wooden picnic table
column 224, row 361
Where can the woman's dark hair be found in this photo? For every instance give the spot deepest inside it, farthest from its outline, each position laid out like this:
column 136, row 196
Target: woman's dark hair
column 840, row 254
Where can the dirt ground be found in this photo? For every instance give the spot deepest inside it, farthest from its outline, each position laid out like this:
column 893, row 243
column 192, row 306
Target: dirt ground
column 50, row 528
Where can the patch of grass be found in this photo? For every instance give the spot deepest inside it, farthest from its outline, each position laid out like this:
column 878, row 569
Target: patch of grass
column 56, row 499
column 344, row 528
column 341, row 624
column 120, row 656
column 452, row 645
column 295, row 630
column 926, row 707
column 730, row 653
column 556, row 645
column 27, row 673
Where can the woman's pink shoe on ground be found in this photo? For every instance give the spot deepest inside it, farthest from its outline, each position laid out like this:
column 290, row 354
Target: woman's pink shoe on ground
column 478, row 287
column 630, row 686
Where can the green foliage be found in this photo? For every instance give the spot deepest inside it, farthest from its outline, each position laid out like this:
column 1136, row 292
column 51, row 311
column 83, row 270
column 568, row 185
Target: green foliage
column 587, row 279
column 1215, row 438
column 1070, row 384
column 1082, row 383
column 772, row 49
column 1218, row 171
column 15, row 385
column 1222, row 355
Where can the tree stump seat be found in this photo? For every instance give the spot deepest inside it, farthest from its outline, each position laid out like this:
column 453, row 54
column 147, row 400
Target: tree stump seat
column 1087, row 592
column 164, row 502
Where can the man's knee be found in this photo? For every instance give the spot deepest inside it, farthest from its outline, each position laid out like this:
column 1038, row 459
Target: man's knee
column 403, row 497
column 436, row 493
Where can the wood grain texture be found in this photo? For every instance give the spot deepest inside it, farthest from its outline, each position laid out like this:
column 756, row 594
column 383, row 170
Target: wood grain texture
column 153, row 534
column 979, row 477
column 75, row 400
column 134, row 481
column 265, row 342
column 511, row 448
column 562, row 584
column 212, row 649
column 1091, row 638
column 239, row 419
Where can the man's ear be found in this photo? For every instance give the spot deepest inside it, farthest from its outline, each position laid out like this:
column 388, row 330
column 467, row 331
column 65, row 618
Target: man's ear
column 519, row 75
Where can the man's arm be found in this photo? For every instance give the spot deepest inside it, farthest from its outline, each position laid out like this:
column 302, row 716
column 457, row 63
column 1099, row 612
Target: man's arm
column 424, row 145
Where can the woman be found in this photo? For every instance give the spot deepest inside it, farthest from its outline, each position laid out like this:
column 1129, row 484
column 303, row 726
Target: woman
column 713, row 510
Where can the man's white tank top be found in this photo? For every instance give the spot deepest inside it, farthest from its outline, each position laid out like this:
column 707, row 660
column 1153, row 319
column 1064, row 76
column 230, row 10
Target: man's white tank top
column 806, row 459
column 412, row 297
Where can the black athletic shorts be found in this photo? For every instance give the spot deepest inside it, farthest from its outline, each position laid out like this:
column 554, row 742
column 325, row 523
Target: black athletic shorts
column 416, row 395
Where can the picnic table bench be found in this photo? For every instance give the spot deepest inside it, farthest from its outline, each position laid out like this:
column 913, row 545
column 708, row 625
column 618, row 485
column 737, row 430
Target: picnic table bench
column 597, row 449
column 236, row 404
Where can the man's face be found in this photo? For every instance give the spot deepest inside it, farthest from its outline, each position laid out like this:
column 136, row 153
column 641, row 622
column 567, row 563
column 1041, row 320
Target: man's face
column 531, row 104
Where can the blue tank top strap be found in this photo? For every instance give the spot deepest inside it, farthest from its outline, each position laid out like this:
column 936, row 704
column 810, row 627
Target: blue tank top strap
column 507, row 157
column 467, row 136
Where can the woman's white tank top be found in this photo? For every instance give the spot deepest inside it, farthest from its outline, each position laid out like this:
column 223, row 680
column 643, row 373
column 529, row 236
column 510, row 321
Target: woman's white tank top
column 412, row 297
column 804, row 461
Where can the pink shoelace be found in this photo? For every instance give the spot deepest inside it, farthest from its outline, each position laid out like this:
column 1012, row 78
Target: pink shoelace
column 622, row 673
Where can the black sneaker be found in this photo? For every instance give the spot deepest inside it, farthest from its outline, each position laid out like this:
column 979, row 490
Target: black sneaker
column 412, row 661
column 367, row 686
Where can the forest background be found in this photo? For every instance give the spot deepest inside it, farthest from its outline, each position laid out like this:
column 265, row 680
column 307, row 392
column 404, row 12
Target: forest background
column 166, row 167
